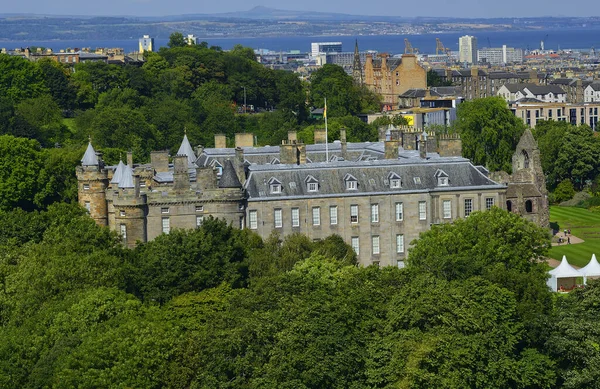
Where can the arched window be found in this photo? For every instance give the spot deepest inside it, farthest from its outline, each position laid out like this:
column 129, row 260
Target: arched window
column 525, row 160
column 528, row 206
column 509, row 206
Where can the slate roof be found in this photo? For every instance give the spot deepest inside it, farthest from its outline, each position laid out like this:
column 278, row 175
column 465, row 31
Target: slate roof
column 372, row 177
column 118, row 173
column 413, row 93
column 187, row 150
column 229, row 179
column 392, row 63
column 545, row 89
column 126, row 180
column 89, row 158
column 442, row 91
column 514, row 88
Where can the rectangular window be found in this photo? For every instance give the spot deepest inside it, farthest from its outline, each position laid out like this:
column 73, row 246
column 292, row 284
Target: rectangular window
column 164, row 210
column 295, row 217
column 399, row 212
column 447, row 209
column 278, row 215
column 489, row 203
column 468, row 207
column 123, row 229
column 399, row 243
column 253, row 219
column 355, row 245
column 166, row 225
column 199, row 220
column 333, row 215
column 86, row 186
column 354, row 214
column 422, row 210
column 313, row 186
column 374, row 213
column 199, row 208
column 375, row 244
column 351, row 185
column 316, row 216
column 122, row 212
column 87, row 206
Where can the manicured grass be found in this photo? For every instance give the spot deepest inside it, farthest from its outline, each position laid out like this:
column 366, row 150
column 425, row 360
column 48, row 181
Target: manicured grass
column 583, row 224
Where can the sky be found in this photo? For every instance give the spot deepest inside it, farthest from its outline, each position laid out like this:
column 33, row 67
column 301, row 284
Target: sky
column 454, row 8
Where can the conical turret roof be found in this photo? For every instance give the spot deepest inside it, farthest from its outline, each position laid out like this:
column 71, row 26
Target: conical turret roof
column 229, row 178
column 118, row 173
column 187, row 150
column 89, row 158
column 126, row 180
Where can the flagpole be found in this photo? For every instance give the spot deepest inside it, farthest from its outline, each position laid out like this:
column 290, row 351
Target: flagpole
column 326, row 137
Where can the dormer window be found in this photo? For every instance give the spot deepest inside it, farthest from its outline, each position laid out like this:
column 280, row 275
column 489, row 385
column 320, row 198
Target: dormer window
column 351, row 182
column 395, row 181
column 312, row 184
column 442, row 178
column 275, row 186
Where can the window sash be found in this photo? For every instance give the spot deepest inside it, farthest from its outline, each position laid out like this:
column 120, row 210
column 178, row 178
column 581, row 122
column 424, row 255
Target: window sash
column 123, row 230
column 374, row 213
column 278, row 216
column 199, row 220
column 399, row 243
column 333, row 215
column 316, row 216
column 355, row 243
column 375, row 245
column 468, row 207
column 313, row 187
column 422, row 210
column 489, row 203
column 350, row 185
column 354, row 214
column 166, row 225
column 253, row 219
column 399, row 212
column 295, row 217
column 447, row 209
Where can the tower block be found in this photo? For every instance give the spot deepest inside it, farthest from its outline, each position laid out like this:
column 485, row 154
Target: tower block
column 92, row 181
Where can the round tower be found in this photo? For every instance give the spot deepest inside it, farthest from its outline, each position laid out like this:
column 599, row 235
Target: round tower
column 92, row 181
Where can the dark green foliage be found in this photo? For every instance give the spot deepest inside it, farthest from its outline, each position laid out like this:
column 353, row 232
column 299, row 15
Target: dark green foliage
column 434, row 79
column 564, row 191
column 489, row 132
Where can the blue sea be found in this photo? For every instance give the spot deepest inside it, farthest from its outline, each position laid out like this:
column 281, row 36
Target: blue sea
column 578, row 39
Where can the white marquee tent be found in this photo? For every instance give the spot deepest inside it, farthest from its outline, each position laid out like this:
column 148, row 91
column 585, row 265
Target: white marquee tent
column 591, row 270
column 564, row 275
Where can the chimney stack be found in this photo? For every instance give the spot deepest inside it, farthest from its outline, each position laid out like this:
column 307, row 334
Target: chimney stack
column 220, row 141
column 181, row 178
column 343, row 143
column 239, row 165
column 423, row 145
column 130, row 159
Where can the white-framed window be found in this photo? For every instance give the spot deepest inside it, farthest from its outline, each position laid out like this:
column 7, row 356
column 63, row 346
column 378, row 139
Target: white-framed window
column 489, row 203
column 399, row 212
column 275, row 188
column 354, row 242
column 313, row 187
column 395, row 183
column 166, row 225
column 333, row 215
column 142, row 184
column 316, row 216
column 199, row 208
column 374, row 213
column 447, row 209
column 442, row 181
column 253, row 219
column 422, row 210
column 468, row 207
column 122, row 212
column 354, row 214
column 88, row 206
column 417, row 180
column 164, row 210
column 278, row 216
column 295, row 217
column 400, row 243
column 351, row 185
column 123, row 230
column 86, row 186
column 375, row 245
column 199, row 220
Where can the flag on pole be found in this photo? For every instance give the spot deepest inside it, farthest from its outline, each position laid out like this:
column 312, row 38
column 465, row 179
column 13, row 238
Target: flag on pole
column 325, row 110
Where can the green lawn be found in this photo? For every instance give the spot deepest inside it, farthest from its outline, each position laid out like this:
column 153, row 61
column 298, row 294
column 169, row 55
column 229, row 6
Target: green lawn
column 583, row 224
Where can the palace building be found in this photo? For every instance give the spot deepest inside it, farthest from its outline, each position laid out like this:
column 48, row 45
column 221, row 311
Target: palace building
column 378, row 196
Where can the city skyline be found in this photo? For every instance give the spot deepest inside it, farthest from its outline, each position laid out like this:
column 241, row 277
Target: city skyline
column 434, row 8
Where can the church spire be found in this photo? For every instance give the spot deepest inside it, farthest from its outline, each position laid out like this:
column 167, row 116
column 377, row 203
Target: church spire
column 357, row 70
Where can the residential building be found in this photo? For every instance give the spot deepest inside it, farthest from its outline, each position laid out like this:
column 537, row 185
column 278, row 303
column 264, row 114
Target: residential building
column 146, row 44
column 592, row 93
column 533, row 111
column 390, row 77
column 499, row 55
column 541, row 93
column 467, row 49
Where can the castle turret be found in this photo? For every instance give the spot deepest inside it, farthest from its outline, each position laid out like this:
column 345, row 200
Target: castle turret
column 92, row 181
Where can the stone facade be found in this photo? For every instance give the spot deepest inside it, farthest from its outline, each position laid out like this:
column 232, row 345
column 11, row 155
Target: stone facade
column 390, row 77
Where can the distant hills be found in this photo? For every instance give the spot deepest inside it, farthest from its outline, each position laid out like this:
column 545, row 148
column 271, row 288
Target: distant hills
column 258, row 22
